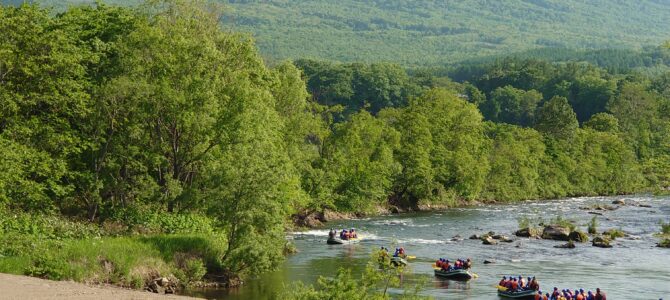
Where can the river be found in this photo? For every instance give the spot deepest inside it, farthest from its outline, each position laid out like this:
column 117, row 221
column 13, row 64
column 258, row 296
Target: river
column 633, row 269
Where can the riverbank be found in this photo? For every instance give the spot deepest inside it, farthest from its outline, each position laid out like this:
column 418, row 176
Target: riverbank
column 24, row 287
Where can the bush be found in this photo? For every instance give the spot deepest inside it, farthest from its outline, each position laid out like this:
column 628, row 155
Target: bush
column 614, row 233
column 149, row 221
column 665, row 228
column 45, row 226
column 593, row 226
column 560, row 221
column 124, row 261
column 524, row 222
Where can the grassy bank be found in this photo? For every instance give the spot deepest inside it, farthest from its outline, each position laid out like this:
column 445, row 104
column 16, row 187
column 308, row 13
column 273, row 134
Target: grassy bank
column 130, row 256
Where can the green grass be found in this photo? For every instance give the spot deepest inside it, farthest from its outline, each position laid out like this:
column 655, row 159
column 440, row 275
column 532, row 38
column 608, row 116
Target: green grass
column 123, row 261
column 593, row 225
column 614, row 233
column 665, row 228
column 563, row 222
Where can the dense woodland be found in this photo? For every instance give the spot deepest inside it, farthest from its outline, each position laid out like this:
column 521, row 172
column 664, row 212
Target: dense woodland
column 154, row 116
column 608, row 33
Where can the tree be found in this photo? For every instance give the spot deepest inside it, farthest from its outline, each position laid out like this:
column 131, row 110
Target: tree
column 603, row 122
column 636, row 109
column 513, row 106
column 360, row 162
column 557, row 119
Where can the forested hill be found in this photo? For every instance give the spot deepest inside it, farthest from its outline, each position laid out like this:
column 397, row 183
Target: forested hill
column 429, row 32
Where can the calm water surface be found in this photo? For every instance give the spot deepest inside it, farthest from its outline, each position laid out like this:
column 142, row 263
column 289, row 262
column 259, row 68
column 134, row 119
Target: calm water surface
column 633, row 269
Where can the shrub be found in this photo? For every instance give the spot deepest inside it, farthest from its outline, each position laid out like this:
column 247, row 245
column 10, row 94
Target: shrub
column 560, row 221
column 524, row 222
column 614, row 233
column 665, row 228
column 593, row 226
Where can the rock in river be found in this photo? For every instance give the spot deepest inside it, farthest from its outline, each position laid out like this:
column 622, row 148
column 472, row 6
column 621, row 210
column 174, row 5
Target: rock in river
column 578, row 236
column 619, row 202
column 601, row 242
column 556, row 232
column 568, row 245
column 527, row 232
column 489, row 241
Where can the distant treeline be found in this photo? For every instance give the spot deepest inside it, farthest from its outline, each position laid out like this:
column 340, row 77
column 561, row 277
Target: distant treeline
column 549, row 130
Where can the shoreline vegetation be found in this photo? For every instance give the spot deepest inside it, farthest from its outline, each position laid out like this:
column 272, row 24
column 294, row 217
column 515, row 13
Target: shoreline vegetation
column 146, row 147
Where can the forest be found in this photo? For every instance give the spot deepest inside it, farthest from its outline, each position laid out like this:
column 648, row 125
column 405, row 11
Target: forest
column 447, row 33
column 156, row 131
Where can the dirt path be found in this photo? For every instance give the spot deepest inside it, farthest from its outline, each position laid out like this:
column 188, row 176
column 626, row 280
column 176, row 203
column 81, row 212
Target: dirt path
column 23, row 287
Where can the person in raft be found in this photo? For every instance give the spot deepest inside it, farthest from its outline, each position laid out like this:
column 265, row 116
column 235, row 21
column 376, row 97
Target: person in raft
column 519, row 284
column 443, row 264
column 600, row 295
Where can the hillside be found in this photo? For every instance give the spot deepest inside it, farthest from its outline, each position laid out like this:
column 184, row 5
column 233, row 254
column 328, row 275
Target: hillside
column 430, row 32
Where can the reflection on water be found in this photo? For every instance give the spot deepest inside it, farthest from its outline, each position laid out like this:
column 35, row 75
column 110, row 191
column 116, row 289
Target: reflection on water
column 429, row 236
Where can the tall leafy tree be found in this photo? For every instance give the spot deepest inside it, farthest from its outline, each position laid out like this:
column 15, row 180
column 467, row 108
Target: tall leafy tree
column 557, row 119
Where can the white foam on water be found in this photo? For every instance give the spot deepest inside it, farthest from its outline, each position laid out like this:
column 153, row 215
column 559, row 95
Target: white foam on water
column 312, row 232
column 421, row 241
column 420, row 225
column 394, row 222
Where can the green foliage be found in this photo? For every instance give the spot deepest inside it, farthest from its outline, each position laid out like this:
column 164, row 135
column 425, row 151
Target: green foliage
column 563, row 222
column 557, row 119
column 45, row 226
column 360, row 163
column 524, row 222
column 603, row 122
column 510, row 105
column 593, row 225
column 437, row 32
column 356, row 86
column 126, row 261
column 665, row 228
column 614, row 233
column 373, row 284
column 515, row 158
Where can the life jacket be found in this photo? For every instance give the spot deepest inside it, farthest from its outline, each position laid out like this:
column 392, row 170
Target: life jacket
column 502, row 282
column 579, row 297
column 544, row 297
column 538, row 297
column 515, row 285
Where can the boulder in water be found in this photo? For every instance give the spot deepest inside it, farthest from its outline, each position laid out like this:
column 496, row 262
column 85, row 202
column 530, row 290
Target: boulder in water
column 665, row 243
column 568, row 245
column 489, row 261
column 489, row 241
column 578, row 236
column 556, row 232
column 601, row 242
column 528, row 233
column 475, row 237
column 619, row 202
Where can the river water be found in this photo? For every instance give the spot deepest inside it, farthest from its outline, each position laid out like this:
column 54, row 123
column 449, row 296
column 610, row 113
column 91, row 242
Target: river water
column 633, row 269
